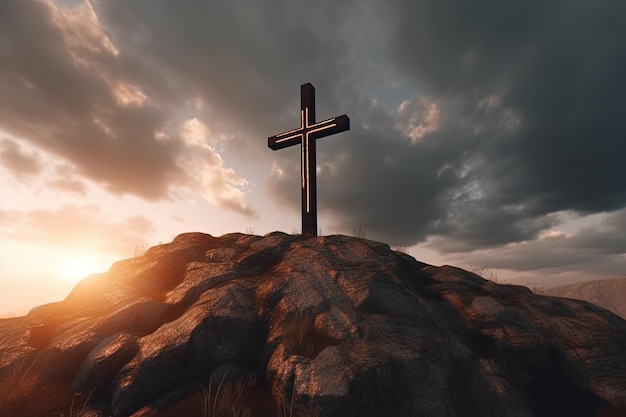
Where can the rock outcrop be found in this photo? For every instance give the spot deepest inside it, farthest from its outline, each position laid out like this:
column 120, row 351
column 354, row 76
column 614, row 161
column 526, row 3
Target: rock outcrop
column 607, row 293
column 283, row 325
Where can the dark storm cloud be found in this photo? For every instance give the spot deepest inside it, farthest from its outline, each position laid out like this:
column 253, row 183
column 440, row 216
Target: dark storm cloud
column 607, row 237
column 592, row 250
column 244, row 59
column 557, row 68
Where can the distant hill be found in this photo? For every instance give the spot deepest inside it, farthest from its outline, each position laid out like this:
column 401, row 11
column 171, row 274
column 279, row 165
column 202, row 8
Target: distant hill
column 606, row 293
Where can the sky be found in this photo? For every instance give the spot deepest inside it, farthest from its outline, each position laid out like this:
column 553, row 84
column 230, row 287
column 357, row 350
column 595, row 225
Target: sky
column 483, row 133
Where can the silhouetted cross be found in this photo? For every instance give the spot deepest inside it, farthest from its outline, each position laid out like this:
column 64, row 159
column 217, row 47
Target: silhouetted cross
column 306, row 135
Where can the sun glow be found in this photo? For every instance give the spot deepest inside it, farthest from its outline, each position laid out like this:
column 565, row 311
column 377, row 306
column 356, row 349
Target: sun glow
column 73, row 270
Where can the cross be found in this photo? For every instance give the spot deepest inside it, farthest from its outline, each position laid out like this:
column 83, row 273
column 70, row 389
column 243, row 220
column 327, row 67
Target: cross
column 305, row 135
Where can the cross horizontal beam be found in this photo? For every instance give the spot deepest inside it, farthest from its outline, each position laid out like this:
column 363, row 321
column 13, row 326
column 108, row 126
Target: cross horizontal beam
column 316, row 131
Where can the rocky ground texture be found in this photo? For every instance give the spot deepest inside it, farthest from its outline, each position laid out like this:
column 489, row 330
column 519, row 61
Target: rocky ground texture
column 283, row 325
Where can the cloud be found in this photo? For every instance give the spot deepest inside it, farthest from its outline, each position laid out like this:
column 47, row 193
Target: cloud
column 65, row 178
column 563, row 94
column 596, row 249
column 19, row 162
column 217, row 183
column 75, row 228
column 28, row 165
column 69, row 90
column 238, row 57
column 606, row 237
column 417, row 118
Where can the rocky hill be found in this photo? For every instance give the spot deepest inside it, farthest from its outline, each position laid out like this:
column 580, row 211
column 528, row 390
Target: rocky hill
column 282, row 325
column 607, row 293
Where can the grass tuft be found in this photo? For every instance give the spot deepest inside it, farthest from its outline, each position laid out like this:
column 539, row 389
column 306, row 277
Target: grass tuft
column 284, row 409
column 140, row 250
column 402, row 248
column 299, row 335
column 359, row 231
column 484, row 272
column 226, row 400
column 19, row 384
column 75, row 409
column 537, row 289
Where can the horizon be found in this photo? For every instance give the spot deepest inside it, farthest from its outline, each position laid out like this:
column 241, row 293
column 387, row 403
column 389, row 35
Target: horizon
column 482, row 271
column 495, row 141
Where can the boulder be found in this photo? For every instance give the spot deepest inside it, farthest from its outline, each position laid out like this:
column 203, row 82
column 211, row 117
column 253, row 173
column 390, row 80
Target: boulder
column 285, row 325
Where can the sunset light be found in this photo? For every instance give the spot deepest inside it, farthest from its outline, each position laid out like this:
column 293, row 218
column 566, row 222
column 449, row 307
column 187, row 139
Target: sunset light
column 73, row 270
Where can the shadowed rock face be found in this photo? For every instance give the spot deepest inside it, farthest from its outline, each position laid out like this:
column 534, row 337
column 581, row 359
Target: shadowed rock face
column 607, row 293
column 327, row 326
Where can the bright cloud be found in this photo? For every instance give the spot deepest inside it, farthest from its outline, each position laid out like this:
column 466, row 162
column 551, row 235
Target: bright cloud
column 209, row 174
column 417, row 118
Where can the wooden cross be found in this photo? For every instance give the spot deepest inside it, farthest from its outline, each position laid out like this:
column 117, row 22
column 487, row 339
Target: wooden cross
column 306, row 135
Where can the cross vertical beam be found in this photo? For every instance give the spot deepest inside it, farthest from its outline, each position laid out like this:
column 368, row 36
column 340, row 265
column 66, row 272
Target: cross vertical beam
column 306, row 135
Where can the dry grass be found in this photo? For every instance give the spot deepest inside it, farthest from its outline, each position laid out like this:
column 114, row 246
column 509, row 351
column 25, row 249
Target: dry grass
column 232, row 399
column 286, row 408
column 359, row 231
column 299, row 335
column 226, row 400
column 140, row 250
column 537, row 289
column 490, row 275
column 402, row 248
column 76, row 410
column 19, row 384
column 301, row 338
column 282, row 408
column 485, row 273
